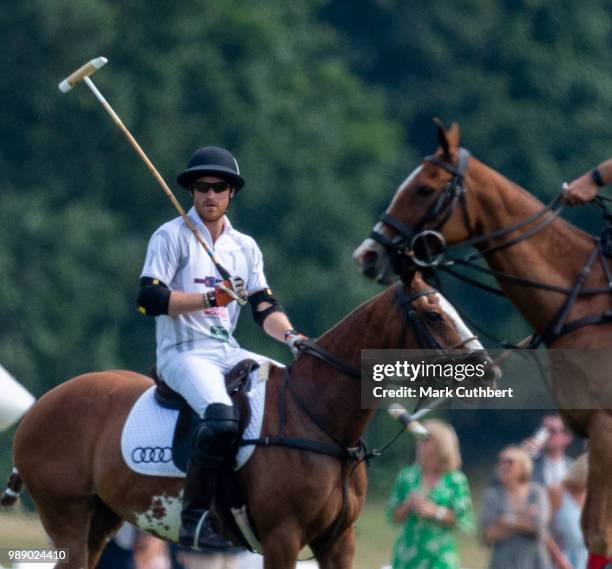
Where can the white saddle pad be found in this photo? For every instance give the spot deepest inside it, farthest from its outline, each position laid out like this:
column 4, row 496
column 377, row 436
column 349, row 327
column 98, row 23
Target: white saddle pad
column 146, row 440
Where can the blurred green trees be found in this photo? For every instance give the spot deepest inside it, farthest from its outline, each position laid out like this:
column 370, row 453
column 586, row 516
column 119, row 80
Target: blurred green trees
column 529, row 81
column 267, row 81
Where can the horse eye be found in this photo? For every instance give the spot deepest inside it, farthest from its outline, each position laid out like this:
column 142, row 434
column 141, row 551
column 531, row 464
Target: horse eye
column 424, row 191
column 433, row 316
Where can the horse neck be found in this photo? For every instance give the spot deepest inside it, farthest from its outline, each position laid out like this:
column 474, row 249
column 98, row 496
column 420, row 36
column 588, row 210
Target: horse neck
column 554, row 255
column 333, row 396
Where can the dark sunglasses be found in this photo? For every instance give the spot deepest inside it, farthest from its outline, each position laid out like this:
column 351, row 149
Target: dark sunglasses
column 217, row 187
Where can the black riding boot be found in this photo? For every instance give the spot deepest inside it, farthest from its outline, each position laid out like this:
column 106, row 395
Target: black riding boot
column 211, row 445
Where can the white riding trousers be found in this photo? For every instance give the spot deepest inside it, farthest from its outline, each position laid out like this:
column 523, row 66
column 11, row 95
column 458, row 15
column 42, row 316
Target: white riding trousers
column 199, row 376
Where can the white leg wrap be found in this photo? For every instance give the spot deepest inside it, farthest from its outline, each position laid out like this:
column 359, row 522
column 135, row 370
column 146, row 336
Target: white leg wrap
column 10, row 492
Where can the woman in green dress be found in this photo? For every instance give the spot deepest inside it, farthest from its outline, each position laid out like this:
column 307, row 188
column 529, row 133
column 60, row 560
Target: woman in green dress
column 431, row 499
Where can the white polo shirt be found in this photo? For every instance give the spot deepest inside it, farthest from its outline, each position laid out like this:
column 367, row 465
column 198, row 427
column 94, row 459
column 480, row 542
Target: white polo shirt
column 175, row 257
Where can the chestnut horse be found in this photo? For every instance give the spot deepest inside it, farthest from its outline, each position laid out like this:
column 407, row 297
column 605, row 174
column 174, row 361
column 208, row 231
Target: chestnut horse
column 67, row 448
column 554, row 273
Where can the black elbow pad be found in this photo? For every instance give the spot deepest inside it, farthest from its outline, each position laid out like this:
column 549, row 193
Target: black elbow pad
column 153, row 297
column 257, row 298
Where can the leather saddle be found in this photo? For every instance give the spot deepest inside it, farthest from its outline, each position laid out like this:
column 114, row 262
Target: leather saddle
column 237, row 384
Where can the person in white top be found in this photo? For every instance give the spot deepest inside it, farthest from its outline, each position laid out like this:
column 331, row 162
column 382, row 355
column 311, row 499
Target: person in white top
column 196, row 315
column 551, row 465
column 551, row 462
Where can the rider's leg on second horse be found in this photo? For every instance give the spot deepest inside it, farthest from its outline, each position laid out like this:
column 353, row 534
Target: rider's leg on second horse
column 200, row 380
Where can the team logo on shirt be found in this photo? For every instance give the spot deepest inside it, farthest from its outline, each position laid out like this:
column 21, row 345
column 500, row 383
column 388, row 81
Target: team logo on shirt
column 210, row 282
column 219, row 333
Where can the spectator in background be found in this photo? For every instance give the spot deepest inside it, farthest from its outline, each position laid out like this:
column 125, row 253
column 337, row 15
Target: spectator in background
column 429, row 500
column 551, row 464
column 515, row 514
column 566, row 543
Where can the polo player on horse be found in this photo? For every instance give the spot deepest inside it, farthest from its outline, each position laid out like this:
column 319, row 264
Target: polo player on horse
column 196, row 316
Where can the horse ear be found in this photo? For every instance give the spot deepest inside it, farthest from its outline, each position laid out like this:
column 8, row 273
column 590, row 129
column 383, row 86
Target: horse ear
column 453, row 136
column 442, row 137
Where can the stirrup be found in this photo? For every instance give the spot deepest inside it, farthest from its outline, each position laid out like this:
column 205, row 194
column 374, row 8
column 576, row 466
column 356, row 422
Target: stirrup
column 204, row 535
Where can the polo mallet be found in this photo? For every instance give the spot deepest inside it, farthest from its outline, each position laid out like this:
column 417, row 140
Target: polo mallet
column 84, row 74
column 522, row 344
column 411, row 420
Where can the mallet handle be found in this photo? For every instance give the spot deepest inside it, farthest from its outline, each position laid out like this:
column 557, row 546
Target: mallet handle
column 522, row 344
column 222, row 270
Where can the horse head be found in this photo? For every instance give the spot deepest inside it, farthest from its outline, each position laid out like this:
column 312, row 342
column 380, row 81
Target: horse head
column 430, row 322
column 428, row 307
column 428, row 210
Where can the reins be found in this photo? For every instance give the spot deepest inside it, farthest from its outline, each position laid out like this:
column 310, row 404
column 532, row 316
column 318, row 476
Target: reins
column 340, row 449
column 555, row 207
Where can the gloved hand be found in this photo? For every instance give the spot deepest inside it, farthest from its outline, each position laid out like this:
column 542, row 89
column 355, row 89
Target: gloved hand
column 292, row 339
column 226, row 292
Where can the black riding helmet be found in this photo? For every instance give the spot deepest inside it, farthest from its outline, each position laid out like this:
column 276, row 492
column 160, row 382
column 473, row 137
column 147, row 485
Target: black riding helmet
column 214, row 161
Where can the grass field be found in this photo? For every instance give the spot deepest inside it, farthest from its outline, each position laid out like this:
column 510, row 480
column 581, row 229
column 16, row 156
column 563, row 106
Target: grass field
column 21, row 529
column 374, row 538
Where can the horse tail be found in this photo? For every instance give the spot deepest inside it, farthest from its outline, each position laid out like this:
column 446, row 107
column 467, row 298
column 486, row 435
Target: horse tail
column 13, row 489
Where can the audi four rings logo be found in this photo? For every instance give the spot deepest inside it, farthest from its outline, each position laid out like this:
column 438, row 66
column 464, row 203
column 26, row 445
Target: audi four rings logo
column 151, row 454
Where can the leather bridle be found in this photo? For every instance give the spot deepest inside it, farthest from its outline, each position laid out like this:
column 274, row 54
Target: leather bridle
column 422, row 332
column 413, row 246
column 411, row 237
column 416, row 240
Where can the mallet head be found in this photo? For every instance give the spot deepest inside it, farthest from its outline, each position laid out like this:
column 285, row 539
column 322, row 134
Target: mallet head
column 85, row 71
column 412, row 425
